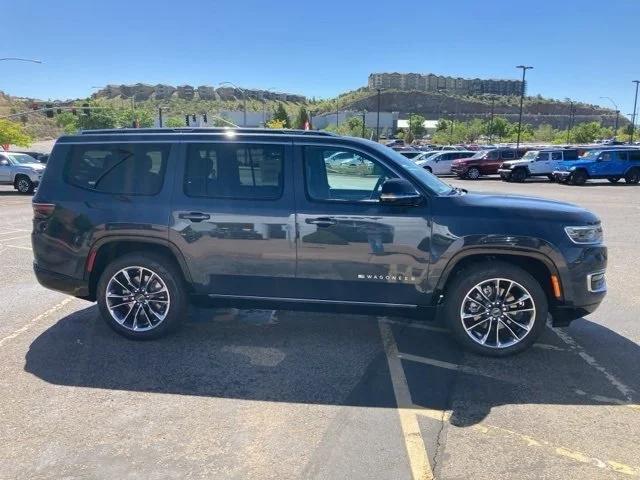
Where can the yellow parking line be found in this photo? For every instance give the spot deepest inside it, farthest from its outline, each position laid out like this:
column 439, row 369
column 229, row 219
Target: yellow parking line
column 414, row 443
column 547, row 447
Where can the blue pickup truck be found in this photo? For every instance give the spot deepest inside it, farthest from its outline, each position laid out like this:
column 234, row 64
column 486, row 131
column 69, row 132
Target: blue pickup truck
column 610, row 163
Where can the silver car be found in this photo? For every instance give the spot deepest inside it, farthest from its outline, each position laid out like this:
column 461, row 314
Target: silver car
column 20, row 170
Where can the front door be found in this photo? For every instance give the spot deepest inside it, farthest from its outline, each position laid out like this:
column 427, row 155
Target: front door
column 540, row 164
column 233, row 217
column 351, row 247
column 5, row 169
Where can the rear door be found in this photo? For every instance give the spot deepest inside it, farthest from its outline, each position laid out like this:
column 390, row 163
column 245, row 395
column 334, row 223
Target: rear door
column 352, row 248
column 233, row 216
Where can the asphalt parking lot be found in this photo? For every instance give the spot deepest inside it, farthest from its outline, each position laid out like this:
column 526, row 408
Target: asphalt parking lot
column 291, row 395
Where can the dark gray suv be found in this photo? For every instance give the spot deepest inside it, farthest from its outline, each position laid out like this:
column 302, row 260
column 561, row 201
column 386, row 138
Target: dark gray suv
column 145, row 221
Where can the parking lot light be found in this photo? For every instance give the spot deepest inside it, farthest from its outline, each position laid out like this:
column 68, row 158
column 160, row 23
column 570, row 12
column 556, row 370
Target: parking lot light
column 633, row 117
column 524, row 71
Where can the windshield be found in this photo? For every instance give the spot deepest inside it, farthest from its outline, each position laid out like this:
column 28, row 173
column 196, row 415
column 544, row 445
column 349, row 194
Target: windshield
column 427, row 179
column 22, row 158
column 481, row 154
column 530, row 155
column 591, row 155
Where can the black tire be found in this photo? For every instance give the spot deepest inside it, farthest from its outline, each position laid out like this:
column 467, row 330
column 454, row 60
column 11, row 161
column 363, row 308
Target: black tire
column 519, row 175
column 579, row 177
column 172, row 278
column 473, row 173
column 614, row 179
column 24, row 184
column 632, row 176
column 464, row 282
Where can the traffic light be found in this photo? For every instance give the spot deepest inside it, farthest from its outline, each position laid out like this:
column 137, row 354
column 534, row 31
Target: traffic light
column 186, row 120
column 204, row 117
column 193, row 117
column 49, row 110
column 86, row 110
column 74, row 111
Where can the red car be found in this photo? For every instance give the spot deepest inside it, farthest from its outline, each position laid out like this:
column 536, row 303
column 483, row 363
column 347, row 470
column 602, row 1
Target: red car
column 485, row 162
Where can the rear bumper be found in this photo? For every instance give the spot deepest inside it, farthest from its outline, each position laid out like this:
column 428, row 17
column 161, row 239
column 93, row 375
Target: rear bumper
column 61, row 283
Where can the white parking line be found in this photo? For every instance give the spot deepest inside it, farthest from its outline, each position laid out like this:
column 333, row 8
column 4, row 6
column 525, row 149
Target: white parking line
column 414, row 443
column 625, row 390
column 18, row 246
column 34, row 320
column 14, row 238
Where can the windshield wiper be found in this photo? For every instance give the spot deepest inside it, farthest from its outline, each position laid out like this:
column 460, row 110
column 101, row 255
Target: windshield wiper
column 108, row 170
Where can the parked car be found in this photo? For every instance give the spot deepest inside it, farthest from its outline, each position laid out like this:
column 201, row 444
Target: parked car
column 20, row 170
column 611, row 163
column 485, row 162
column 536, row 163
column 410, row 154
column 440, row 163
column 144, row 221
column 41, row 157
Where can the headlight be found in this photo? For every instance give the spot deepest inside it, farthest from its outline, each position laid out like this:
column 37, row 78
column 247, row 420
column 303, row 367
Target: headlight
column 571, row 169
column 588, row 235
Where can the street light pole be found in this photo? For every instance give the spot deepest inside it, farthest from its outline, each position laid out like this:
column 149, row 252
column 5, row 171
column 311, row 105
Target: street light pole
column 524, row 71
column 378, row 118
column 244, row 101
column 633, row 118
column 615, row 128
column 364, row 121
column 337, row 112
column 570, row 121
column 493, row 104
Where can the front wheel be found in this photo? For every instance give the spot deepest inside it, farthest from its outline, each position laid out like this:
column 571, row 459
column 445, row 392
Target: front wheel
column 519, row 175
column 495, row 309
column 473, row 173
column 579, row 177
column 24, row 184
column 142, row 296
column 614, row 179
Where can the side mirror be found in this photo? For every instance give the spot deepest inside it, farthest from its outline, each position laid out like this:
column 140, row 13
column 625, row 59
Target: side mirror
column 398, row 191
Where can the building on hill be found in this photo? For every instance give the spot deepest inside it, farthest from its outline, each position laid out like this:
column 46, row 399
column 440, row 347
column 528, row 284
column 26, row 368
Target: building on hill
column 439, row 83
column 186, row 92
column 142, row 91
column 164, row 91
column 206, row 93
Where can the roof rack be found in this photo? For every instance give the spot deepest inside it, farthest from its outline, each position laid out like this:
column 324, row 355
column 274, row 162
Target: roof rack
column 269, row 131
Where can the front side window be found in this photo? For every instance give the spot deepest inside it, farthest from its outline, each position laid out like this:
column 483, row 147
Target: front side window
column 220, row 170
column 134, row 168
column 508, row 154
column 542, row 156
column 606, row 157
column 356, row 178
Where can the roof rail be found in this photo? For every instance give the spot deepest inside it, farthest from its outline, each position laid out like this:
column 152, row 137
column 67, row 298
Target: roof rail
column 269, row 131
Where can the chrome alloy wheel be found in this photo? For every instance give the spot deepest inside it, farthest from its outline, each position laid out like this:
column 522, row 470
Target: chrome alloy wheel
column 23, row 185
column 498, row 313
column 137, row 298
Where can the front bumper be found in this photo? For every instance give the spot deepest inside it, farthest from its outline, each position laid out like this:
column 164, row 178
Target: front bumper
column 561, row 175
column 504, row 173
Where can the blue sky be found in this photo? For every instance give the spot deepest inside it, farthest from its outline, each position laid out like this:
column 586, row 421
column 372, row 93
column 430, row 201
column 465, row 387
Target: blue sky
column 580, row 49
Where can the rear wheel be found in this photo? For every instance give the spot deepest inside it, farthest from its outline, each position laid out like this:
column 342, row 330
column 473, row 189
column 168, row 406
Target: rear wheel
column 632, row 176
column 473, row 173
column 495, row 309
column 551, row 178
column 614, row 179
column 519, row 175
column 579, row 177
column 24, row 184
column 142, row 296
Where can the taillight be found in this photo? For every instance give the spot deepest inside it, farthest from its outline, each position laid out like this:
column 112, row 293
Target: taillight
column 43, row 210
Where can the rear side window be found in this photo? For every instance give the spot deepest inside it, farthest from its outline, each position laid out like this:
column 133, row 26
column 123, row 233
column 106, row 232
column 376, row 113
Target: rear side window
column 556, row 155
column 570, row 154
column 622, row 156
column 127, row 168
column 508, row 154
column 634, row 155
column 239, row 171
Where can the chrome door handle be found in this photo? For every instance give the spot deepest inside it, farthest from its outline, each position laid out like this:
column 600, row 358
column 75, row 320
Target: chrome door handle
column 321, row 221
column 194, row 216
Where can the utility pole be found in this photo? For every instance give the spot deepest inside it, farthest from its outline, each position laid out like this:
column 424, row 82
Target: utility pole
column 524, row 71
column 633, row 118
column 337, row 112
column 615, row 128
column 570, row 122
column 378, row 118
column 493, row 104
column 160, row 117
column 364, row 120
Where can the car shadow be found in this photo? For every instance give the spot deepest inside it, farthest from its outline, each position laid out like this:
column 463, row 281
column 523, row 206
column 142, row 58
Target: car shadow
column 321, row 358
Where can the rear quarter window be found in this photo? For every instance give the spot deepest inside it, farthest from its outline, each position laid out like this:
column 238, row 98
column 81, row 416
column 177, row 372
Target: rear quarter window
column 634, row 156
column 127, row 168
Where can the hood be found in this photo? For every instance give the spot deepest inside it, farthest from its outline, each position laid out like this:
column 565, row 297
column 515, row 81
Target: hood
column 32, row 166
column 513, row 163
column 569, row 165
column 528, row 208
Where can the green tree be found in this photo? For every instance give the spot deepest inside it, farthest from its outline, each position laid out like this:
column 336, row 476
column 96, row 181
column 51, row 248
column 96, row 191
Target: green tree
column 127, row 117
column 275, row 123
column 282, row 115
column 13, row 133
column 416, row 125
column 499, row 128
column 301, row 118
column 174, row 122
column 545, row 133
column 98, row 118
column 68, row 122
